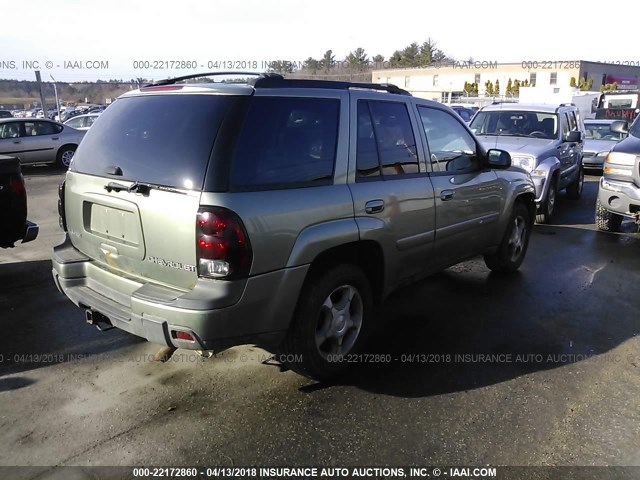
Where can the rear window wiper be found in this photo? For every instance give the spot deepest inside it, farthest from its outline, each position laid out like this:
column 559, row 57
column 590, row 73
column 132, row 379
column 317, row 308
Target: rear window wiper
column 139, row 187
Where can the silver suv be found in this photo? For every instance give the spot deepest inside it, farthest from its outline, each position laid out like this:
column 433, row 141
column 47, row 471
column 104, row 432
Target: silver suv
column 619, row 192
column 277, row 212
column 544, row 140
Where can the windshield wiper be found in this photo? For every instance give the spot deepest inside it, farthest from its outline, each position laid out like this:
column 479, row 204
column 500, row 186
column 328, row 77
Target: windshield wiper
column 139, row 187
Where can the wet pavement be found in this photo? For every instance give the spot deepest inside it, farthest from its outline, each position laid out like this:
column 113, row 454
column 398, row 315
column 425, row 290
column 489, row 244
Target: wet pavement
column 464, row 368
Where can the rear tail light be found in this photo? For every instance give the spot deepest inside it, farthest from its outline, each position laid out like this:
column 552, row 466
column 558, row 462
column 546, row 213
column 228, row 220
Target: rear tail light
column 17, row 185
column 62, row 219
column 222, row 244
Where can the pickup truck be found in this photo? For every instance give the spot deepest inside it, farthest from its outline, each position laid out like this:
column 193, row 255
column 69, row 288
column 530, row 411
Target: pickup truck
column 14, row 225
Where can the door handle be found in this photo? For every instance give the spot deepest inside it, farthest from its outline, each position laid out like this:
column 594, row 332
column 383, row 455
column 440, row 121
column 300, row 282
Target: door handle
column 446, row 195
column 55, row 138
column 374, row 206
column 16, row 142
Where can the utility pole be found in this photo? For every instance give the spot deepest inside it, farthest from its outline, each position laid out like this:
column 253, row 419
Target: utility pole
column 42, row 99
column 55, row 91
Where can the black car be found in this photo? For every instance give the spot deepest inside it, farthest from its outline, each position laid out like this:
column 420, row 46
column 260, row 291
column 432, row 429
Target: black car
column 14, row 225
column 5, row 114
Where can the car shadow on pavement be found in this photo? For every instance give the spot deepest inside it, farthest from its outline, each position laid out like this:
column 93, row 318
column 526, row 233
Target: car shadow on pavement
column 14, row 383
column 467, row 328
column 41, row 327
column 42, row 170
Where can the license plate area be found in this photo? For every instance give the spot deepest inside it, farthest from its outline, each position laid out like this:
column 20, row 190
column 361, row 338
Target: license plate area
column 111, row 223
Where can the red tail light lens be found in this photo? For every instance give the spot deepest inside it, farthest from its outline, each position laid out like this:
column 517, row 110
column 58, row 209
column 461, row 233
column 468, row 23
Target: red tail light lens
column 222, row 244
column 17, row 185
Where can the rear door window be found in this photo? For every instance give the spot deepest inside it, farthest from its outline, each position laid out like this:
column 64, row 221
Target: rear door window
column 386, row 143
column 286, row 142
column 159, row 139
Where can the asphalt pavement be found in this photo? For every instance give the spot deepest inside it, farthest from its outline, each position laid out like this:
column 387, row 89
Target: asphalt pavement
column 465, row 368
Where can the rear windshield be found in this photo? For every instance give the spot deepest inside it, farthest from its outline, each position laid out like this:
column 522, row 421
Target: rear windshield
column 160, row 139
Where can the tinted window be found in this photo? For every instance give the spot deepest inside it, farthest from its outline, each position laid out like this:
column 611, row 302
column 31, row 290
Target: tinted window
column 9, row 130
column 75, row 122
column 395, row 139
column 572, row 121
column 159, row 139
column 451, row 146
column 367, row 161
column 40, row 128
column 635, row 128
column 386, row 142
column 565, row 124
column 286, row 141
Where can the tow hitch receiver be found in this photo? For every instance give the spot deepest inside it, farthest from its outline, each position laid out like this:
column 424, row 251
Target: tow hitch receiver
column 100, row 321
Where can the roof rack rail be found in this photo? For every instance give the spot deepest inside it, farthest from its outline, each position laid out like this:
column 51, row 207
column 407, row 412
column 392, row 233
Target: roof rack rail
column 278, row 81
column 275, row 80
column 170, row 81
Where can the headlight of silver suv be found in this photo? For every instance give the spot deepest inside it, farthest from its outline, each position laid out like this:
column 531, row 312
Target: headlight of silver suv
column 526, row 162
column 618, row 163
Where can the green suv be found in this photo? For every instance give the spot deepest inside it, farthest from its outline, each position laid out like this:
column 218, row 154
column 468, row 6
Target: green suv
column 277, row 212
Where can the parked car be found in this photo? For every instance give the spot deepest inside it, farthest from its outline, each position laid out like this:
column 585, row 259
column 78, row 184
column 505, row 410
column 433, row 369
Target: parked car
column 598, row 141
column 5, row 114
column 545, row 140
column 97, row 109
column 619, row 190
column 14, row 225
column 82, row 122
column 465, row 113
column 277, row 212
column 69, row 113
column 38, row 141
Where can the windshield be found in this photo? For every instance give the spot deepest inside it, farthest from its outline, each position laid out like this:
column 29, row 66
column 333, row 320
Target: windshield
column 601, row 131
column 635, row 128
column 516, row 123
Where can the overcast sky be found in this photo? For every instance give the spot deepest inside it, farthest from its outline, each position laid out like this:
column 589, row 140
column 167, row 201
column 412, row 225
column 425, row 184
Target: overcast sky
column 121, row 32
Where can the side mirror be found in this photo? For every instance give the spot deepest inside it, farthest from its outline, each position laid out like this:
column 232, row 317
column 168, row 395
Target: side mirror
column 499, row 159
column 619, row 126
column 573, row 136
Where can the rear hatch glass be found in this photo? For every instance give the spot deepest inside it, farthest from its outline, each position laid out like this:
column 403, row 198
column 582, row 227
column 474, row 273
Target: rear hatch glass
column 157, row 139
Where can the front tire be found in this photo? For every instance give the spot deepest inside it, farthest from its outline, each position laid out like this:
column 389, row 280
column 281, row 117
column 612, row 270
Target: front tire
column 513, row 247
column 607, row 221
column 65, row 155
column 331, row 321
column 545, row 214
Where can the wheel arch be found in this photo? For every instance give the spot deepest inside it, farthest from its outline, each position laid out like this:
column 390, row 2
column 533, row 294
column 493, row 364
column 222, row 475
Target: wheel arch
column 365, row 254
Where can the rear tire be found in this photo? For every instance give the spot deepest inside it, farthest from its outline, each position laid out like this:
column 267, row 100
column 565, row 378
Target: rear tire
column 65, row 155
column 513, row 247
column 607, row 221
column 574, row 190
column 331, row 321
column 546, row 211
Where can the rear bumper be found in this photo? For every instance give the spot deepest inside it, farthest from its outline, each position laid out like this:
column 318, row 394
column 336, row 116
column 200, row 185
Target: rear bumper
column 217, row 314
column 17, row 231
column 30, row 232
column 620, row 197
